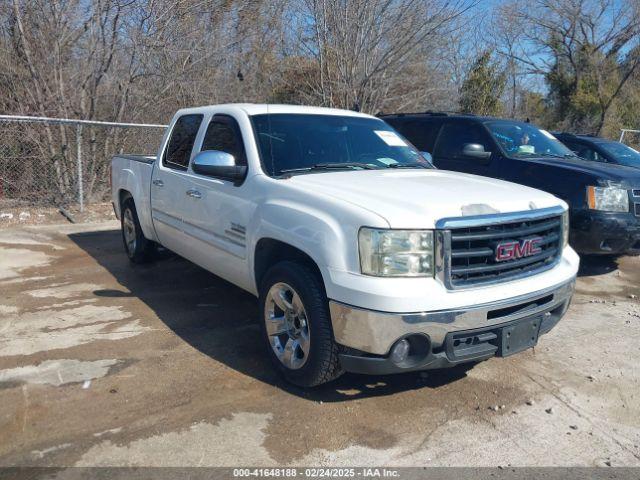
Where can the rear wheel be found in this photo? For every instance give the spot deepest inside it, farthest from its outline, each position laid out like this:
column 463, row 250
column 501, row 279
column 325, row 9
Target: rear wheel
column 296, row 325
column 139, row 249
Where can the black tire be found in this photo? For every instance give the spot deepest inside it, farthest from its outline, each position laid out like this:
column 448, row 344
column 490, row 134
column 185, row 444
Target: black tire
column 322, row 364
column 140, row 250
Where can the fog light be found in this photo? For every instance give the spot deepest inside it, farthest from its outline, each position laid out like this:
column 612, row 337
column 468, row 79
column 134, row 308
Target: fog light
column 400, row 351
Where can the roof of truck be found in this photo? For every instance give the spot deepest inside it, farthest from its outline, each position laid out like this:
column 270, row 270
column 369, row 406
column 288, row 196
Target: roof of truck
column 583, row 136
column 444, row 115
column 262, row 108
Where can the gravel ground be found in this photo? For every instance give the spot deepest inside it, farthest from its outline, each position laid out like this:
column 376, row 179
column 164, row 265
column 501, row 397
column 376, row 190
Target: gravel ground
column 105, row 364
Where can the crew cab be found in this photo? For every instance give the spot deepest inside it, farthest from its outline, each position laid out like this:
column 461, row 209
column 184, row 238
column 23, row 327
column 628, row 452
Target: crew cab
column 604, row 198
column 364, row 258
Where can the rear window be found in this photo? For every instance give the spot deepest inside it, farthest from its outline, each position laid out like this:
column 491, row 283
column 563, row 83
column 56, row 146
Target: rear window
column 422, row 133
column 181, row 141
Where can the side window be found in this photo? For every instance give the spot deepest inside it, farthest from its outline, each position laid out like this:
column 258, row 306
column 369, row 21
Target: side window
column 454, row 136
column 180, row 144
column 585, row 152
column 589, row 153
column 422, row 134
column 223, row 134
column 574, row 147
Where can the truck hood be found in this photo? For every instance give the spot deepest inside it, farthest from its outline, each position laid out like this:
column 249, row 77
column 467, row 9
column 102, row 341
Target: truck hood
column 606, row 172
column 419, row 198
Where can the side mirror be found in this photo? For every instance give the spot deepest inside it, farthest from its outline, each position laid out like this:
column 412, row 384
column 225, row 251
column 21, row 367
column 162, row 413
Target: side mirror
column 427, row 156
column 475, row 150
column 214, row 163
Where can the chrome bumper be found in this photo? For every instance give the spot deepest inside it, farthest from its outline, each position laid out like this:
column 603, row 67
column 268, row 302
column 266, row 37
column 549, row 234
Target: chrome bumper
column 375, row 332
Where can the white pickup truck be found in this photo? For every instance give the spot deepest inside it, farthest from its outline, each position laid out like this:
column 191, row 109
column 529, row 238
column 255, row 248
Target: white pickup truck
column 364, row 257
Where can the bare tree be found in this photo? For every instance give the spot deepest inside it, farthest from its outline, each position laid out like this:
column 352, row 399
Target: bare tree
column 128, row 60
column 586, row 50
column 360, row 46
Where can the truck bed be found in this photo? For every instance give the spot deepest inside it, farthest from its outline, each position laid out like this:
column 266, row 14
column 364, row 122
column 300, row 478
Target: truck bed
column 132, row 174
column 138, row 158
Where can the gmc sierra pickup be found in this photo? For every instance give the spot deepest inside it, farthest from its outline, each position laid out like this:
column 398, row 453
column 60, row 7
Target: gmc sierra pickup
column 363, row 256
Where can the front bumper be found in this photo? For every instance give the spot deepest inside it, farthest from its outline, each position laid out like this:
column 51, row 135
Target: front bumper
column 594, row 232
column 369, row 335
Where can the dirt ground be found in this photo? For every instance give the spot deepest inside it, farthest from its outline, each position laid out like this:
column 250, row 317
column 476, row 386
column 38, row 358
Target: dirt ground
column 105, row 364
column 13, row 216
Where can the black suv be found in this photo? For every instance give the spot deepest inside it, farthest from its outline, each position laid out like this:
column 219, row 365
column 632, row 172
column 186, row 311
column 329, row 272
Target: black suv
column 604, row 198
column 599, row 149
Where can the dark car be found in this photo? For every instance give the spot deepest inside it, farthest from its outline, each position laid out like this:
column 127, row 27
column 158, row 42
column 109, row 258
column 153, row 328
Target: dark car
column 604, row 198
column 599, row 149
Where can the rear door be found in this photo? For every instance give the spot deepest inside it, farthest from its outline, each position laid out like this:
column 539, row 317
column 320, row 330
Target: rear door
column 169, row 184
column 422, row 133
column 449, row 155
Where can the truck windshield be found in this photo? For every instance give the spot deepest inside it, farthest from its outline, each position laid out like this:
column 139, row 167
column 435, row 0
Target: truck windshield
column 623, row 154
column 525, row 140
column 301, row 143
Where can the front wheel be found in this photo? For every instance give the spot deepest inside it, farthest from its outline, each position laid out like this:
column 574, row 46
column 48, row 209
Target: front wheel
column 139, row 249
column 296, row 325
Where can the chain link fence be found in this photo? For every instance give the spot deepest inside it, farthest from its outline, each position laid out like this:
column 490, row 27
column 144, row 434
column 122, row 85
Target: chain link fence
column 54, row 162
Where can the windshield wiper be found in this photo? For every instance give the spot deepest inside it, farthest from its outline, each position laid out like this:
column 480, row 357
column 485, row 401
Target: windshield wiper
column 556, row 155
column 332, row 166
column 408, row 165
column 542, row 154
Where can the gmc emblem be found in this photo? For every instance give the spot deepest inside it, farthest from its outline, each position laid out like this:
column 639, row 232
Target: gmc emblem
column 512, row 249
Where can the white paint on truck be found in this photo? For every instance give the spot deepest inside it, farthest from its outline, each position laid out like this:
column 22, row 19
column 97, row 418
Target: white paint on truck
column 217, row 224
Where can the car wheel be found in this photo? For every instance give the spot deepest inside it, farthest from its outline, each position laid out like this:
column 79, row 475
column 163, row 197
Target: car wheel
column 139, row 249
column 296, row 325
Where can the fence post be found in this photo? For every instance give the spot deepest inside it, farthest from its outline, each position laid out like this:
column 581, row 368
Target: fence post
column 79, row 159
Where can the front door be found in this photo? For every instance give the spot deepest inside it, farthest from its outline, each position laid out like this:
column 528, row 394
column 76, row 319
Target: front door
column 217, row 211
column 449, row 152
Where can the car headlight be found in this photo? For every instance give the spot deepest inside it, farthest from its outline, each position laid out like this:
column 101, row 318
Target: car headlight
column 565, row 229
column 396, row 253
column 608, row 199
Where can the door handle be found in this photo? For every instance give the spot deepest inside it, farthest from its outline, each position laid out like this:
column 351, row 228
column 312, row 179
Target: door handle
column 194, row 193
column 158, row 183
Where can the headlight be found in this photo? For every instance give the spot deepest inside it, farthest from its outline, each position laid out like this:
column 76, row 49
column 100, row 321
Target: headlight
column 608, row 199
column 396, row 253
column 565, row 229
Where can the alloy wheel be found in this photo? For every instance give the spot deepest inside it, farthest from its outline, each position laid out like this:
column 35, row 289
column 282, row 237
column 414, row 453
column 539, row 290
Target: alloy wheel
column 287, row 326
column 129, row 231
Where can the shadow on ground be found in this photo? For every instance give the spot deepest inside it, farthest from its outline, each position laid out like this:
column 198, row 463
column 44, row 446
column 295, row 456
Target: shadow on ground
column 220, row 320
column 594, row 265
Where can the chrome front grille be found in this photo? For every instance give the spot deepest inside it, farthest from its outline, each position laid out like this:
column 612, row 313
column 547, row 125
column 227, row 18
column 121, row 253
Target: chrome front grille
column 636, row 205
column 472, row 248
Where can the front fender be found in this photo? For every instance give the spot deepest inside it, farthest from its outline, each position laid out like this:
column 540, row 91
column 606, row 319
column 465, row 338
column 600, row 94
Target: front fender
column 328, row 242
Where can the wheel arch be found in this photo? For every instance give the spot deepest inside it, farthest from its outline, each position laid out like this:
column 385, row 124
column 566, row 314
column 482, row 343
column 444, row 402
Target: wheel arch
column 123, row 196
column 269, row 251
